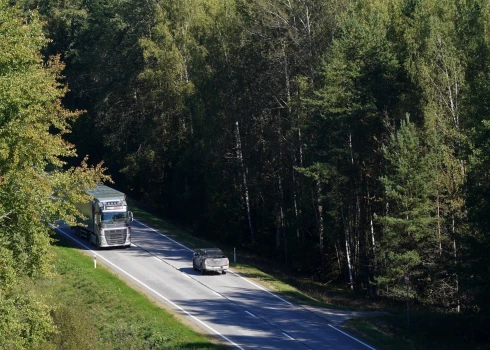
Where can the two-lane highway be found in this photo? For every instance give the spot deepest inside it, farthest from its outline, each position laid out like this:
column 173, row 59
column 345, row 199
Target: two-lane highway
column 235, row 309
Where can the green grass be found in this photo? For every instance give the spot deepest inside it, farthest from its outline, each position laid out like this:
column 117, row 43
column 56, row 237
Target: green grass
column 97, row 310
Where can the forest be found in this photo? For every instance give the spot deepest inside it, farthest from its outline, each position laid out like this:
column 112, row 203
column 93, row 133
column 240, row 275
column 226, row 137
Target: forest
column 348, row 140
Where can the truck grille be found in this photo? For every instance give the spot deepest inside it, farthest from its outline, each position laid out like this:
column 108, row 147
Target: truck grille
column 114, row 237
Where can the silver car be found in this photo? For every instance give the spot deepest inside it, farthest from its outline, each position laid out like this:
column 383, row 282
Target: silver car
column 210, row 259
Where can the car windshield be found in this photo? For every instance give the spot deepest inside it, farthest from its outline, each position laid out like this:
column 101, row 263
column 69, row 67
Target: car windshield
column 114, row 216
column 214, row 253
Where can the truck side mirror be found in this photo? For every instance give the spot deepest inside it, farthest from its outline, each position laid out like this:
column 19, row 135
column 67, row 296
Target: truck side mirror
column 130, row 214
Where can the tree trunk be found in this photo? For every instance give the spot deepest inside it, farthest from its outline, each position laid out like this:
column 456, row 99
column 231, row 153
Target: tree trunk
column 458, row 307
column 295, row 201
column 347, row 251
column 439, row 223
column 244, row 178
column 371, row 224
column 320, row 221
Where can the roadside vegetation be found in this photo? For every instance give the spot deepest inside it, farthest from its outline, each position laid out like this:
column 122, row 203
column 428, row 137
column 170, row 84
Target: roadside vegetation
column 425, row 329
column 94, row 309
column 333, row 143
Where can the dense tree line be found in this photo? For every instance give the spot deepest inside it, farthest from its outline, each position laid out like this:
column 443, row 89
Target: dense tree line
column 347, row 139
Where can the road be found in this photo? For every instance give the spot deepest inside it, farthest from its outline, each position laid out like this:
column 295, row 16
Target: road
column 236, row 310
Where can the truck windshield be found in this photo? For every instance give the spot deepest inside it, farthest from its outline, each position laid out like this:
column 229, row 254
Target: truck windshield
column 113, row 216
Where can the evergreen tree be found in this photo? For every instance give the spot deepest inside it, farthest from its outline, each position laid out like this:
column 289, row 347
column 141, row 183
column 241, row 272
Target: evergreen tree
column 408, row 245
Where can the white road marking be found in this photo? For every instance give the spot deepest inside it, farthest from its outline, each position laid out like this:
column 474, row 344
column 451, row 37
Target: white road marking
column 236, row 274
column 287, row 335
column 150, row 289
column 258, row 286
column 186, row 275
column 350, row 336
column 251, row 314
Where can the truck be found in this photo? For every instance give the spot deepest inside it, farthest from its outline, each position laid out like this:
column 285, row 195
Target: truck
column 107, row 220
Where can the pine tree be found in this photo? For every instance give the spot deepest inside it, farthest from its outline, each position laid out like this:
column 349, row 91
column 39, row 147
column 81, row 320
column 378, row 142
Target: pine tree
column 408, row 243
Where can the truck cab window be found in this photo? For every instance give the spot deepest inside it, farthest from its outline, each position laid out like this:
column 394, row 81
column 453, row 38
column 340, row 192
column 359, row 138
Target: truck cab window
column 114, row 216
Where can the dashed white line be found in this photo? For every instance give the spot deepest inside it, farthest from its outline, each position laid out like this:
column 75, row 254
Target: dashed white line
column 236, row 274
column 288, row 336
column 151, row 290
column 217, row 294
column 258, row 286
column 251, row 314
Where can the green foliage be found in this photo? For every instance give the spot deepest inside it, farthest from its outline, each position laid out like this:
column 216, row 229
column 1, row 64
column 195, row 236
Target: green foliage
column 26, row 320
column 409, row 225
column 74, row 327
column 313, row 86
column 34, row 189
column 94, row 309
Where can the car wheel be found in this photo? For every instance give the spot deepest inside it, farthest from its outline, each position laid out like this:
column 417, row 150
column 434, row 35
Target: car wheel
column 223, row 272
column 194, row 266
column 202, row 269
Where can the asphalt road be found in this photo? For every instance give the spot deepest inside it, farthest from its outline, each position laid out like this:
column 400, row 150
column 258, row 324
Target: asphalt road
column 236, row 310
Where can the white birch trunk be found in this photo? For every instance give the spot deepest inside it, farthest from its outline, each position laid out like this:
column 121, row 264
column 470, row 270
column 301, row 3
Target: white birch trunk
column 244, row 178
column 320, row 218
column 371, row 224
column 347, row 250
column 347, row 253
column 295, row 203
column 458, row 307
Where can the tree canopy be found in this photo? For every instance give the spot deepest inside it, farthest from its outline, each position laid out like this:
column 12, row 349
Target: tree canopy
column 35, row 188
column 276, row 126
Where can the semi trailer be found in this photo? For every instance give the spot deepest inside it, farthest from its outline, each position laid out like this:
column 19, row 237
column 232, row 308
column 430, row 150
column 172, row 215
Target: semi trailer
column 107, row 220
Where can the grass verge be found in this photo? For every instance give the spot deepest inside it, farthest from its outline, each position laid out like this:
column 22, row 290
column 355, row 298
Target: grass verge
column 97, row 310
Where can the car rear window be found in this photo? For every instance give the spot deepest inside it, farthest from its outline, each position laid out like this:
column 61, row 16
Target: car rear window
column 214, row 253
